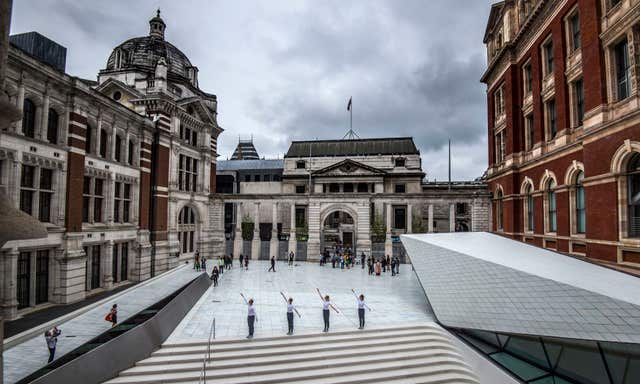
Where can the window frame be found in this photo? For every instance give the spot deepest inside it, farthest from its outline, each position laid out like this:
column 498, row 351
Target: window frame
column 29, row 112
column 187, row 173
column 621, row 74
column 548, row 57
column 551, row 119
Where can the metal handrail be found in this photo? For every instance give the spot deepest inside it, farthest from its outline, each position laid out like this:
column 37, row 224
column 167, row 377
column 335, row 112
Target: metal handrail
column 207, row 355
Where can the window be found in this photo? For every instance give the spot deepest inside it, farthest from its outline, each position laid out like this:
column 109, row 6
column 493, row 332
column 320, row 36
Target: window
column 400, row 217
column 547, row 51
column 247, row 178
column 27, row 188
column 623, row 69
column 266, row 178
column 363, row 187
column 579, row 101
column 581, row 217
column 400, row 162
column 116, row 95
column 613, row 3
column 52, row 127
column 529, row 207
column 500, row 146
column 187, row 229
column 118, row 149
column 187, row 173
column 122, row 202
column 28, row 118
column 188, row 135
column 92, row 199
column 300, row 189
column 529, row 132
column 574, row 31
column 499, row 102
column 256, row 177
column 462, row 208
column 276, row 177
column 347, row 188
column 400, row 188
column 114, row 264
column 88, row 138
column 130, row 154
column 552, row 225
column 42, row 276
column 23, row 282
column 334, row 188
column 124, row 261
column 499, row 210
column 45, row 195
column 300, row 164
column 528, row 78
column 300, row 217
column 104, row 138
column 633, row 197
column 552, row 129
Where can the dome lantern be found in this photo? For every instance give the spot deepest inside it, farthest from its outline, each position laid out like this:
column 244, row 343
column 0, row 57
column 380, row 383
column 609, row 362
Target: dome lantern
column 157, row 26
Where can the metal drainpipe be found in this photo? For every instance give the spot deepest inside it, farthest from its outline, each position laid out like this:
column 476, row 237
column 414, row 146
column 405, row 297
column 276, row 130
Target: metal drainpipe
column 152, row 200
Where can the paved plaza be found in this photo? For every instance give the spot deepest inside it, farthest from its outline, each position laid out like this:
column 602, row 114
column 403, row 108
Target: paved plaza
column 32, row 354
column 394, row 300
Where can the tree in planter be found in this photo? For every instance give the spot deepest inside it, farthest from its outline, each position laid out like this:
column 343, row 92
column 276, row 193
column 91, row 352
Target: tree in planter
column 378, row 229
column 418, row 225
column 247, row 228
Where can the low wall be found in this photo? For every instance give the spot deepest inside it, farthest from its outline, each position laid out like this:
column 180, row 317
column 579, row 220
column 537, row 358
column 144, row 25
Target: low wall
column 107, row 360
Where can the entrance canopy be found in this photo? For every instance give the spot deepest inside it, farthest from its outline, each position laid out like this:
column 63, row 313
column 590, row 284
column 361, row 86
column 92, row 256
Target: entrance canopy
column 488, row 282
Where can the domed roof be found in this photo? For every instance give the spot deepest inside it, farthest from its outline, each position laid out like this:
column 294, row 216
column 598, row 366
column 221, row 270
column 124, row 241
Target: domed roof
column 144, row 52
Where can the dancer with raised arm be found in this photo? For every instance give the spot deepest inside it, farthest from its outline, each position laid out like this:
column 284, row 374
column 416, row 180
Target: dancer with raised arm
column 290, row 309
column 361, row 306
column 326, row 304
column 251, row 315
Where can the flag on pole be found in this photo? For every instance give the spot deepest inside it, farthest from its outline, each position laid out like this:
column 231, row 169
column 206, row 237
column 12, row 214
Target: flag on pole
column 349, row 105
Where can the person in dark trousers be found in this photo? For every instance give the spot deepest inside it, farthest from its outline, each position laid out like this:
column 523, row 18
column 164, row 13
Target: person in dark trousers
column 290, row 309
column 214, row 275
column 273, row 264
column 363, row 257
column 291, row 256
column 251, row 315
column 241, row 261
column 246, row 263
column 220, row 262
column 361, row 307
column 113, row 315
column 388, row 262
column 326, row 304
column 397, row 265
column 393, row 267
column 203, row 264
column 51, row 336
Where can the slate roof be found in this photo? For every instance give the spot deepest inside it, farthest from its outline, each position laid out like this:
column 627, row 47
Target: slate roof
column 370, row 147
column 245, row 150
column 240, row 165
column 488, row 282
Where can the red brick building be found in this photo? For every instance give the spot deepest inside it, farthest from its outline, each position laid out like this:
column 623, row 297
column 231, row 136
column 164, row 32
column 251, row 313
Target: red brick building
column 564, row 125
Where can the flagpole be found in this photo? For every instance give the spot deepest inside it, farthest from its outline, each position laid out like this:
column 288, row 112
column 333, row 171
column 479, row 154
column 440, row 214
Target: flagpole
column 449, row 164
column 351, row 116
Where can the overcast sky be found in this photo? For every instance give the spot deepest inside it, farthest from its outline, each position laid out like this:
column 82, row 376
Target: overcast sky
column 284, row 70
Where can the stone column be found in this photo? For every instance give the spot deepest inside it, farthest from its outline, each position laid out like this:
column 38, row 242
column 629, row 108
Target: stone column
column 10, row 299
column 452, row 217
column 388, row 246
column 237, row 241
column 20, row 102
column 106, row 267
column 43, row 128
column 314, row 227
column 430, row 223
column 273, row 244
column 293, row 242
column 32, row 278
column 409, row 218
column 255, row 243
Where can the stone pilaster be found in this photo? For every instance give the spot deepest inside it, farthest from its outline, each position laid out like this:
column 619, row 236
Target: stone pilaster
column 106, row 266
column 72, row 269
column 10, row 299
column 430, row 218
column 255, row 243
column 452, row 217
column 388, row 246
column 409, row 218
column 273, row 244
column 293, row 241
column 313, row 228
column 237, row 240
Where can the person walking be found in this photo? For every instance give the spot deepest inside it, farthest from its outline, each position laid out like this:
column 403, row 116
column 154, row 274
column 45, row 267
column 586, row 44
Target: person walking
column 241, row 261
column 196, row 260
column 51, row 336
column 397, row 265
column 290, row 309
column 251, row 315
column 273, row 264
column 214, row 275
column 203, row 264
column 220, row 265
column 246, row 263
column 361, row 306
column 363, row 257
column 291, row 257
column 112, row 316
column 388, row 262
column 326, row 304
column 393, row 266
column 377, row 268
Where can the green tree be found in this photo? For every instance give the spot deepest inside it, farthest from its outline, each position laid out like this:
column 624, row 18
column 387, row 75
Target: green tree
column 247, row 228
column 378, row 229
column 418, row 225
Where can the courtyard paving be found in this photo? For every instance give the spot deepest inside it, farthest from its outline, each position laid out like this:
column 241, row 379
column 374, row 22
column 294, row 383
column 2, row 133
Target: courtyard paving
column 394, row 300
column 32, row 354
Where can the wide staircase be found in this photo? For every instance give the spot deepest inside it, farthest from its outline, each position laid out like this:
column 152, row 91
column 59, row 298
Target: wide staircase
column 410, row 354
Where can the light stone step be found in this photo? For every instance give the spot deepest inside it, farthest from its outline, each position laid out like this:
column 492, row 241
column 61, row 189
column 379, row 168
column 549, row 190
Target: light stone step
column 373, row 356
column 246, row 344
column 267, row 356
column 247, row 375
column 284, row 350
column 399, row 329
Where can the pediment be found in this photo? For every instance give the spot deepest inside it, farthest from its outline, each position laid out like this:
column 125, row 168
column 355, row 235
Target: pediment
column 200, row 111
column 349, row 168
column 111, row 85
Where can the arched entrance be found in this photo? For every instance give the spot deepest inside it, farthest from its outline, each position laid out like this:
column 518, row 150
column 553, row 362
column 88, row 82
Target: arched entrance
column 338, row 231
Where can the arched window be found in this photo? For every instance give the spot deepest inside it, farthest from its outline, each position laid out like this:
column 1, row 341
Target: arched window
column 104, row 138
column 552, row 223
column 187, row 229
column 52, row 126
column 529, row 207
column 581, row 218
column 28, row 118
column 499, row 209
column 88, row 138
column 633, row 197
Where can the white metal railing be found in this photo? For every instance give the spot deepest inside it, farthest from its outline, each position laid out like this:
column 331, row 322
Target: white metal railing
column 207, row 354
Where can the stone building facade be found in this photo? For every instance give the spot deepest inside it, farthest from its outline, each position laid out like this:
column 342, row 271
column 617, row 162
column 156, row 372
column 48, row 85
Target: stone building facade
column 564, row 125
column 120, row 170
column 362, row 193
